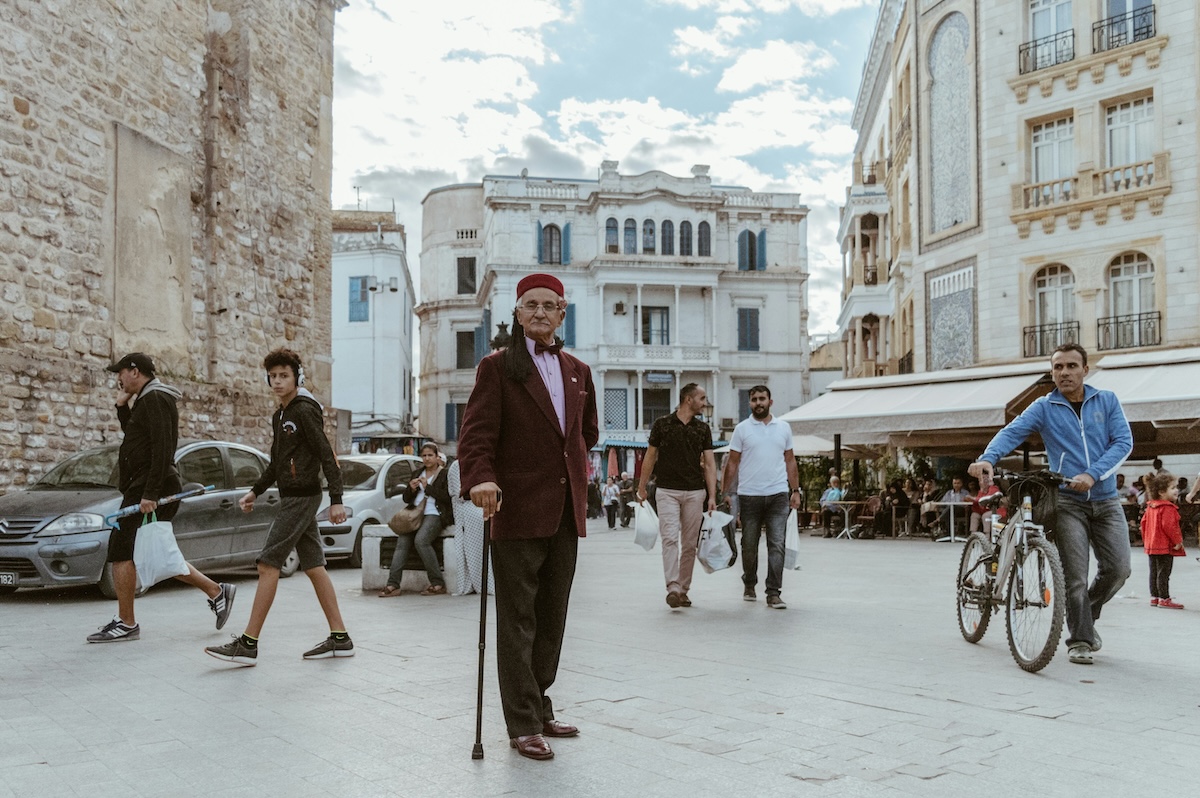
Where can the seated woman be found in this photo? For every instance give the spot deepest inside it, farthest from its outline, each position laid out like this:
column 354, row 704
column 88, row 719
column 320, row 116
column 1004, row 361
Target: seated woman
column 893, row 510
column 913, row 491
column 432, row 487
column 977, row 509
column 929, row 510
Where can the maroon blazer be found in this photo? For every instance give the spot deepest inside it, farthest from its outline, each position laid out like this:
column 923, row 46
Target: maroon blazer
column 510, row 435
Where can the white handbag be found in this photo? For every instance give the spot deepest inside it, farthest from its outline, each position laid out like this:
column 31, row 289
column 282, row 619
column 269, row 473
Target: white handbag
column 156, row 556
column 791, row 543
column 713, row 551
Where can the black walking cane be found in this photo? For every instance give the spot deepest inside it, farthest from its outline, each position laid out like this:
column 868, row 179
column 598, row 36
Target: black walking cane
column 477, row 751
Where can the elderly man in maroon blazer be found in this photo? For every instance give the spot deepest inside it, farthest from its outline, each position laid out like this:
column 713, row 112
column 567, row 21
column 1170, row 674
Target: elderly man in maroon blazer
column 523, row 454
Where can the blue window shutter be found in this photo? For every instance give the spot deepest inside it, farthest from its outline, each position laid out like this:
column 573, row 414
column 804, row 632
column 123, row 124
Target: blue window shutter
column 741, row 329
column 743, row 404
column 743, row 251
column 752, row 313
column 762, row 251
column 566, row 243
column 569, row 327
column 539, row 241
column 480, row 343
column 451, row 421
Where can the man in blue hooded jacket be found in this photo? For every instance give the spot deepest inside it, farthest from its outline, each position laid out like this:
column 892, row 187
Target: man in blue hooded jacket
column 1086, row 434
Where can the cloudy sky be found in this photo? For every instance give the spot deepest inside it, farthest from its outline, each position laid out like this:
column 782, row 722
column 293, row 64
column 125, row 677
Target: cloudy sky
column 432, row 93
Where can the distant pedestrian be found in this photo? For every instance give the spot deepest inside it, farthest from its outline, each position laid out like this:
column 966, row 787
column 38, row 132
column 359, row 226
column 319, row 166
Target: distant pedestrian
column 612, row 501
column 628, row 490
column 1162, row 536
column 300, row 452
column 146, row 472
column 762, row 464
column 523, row 444
column 680, row 455
column 828, row 502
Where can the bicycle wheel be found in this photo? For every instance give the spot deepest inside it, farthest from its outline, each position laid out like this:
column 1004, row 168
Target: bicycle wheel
column 975, row 588
column 1035, row 605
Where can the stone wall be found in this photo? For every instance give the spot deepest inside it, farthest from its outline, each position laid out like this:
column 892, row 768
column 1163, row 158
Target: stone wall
column 164, row 187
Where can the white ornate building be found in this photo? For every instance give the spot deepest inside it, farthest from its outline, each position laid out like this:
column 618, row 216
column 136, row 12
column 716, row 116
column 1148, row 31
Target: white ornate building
column 1025, row 175
column 669, row 280
column 372, row 303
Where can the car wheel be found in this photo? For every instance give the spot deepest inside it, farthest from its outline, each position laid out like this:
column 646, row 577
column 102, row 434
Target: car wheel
column 290, row 565
column 108, row 589
column 355, row 559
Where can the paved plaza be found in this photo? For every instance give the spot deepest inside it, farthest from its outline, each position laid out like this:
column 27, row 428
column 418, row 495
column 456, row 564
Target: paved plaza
column 862, row 687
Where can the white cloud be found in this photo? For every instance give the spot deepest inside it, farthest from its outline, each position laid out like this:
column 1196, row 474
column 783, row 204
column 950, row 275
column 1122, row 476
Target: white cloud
column 812, row 8
column 775, row 62
column 712, row 44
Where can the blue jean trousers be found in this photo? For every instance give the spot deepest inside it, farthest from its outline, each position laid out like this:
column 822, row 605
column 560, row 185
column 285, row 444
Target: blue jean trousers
column 1101, row 527
column 757, row 512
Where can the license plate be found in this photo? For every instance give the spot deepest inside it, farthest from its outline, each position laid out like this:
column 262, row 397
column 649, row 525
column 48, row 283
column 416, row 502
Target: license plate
column 8, row 579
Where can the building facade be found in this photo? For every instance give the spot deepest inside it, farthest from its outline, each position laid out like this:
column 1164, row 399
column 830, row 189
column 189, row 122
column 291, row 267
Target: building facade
column 164, row 186
column 669, row 280
column 1025, row 176
column 372, row 330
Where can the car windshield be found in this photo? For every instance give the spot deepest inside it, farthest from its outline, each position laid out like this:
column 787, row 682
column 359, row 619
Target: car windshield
column 95, row 468
column 356, row 475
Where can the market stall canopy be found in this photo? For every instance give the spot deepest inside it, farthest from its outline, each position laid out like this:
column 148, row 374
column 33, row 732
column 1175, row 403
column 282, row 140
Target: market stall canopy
column 1160, row 392
column 951, row 412
column 802, row 446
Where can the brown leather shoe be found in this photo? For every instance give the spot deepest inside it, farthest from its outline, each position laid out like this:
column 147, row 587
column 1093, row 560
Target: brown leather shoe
column 556, row 728
column 684, row 601
column 533, row 746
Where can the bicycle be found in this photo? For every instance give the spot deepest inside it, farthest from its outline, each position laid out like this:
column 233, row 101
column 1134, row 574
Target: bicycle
column 1017, row 567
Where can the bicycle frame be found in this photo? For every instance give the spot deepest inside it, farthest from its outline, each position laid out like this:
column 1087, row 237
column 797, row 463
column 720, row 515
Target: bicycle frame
column 1005, row 544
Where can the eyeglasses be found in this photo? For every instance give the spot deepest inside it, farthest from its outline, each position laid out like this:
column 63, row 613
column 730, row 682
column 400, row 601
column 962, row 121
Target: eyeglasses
column 534, row 307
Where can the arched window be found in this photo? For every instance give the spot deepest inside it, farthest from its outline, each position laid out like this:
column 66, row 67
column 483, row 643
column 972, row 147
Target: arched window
column 704, row 240
column 747, row 251
column 611, row 235
column 685, row 239
column 551, row 244
column 668, row 237
column 630, row 237
column 1134, row 321
column 648, row 237
column 1054, row 296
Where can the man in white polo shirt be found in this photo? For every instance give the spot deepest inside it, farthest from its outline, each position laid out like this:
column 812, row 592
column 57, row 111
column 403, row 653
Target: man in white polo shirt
column 761, row 460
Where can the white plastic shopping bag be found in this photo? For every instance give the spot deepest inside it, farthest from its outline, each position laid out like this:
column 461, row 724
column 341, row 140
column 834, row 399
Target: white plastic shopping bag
column 791, row 543
column 714, row 551
column 155, row 553
column 645, row 526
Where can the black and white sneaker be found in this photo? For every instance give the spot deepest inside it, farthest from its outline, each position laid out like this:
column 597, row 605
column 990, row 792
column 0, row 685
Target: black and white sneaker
column 115, row 631
column 222, row 605
column 329, row 647
column 235, row 651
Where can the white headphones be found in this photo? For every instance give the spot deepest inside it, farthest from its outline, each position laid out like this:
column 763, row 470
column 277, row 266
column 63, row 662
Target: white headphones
column 299, row 377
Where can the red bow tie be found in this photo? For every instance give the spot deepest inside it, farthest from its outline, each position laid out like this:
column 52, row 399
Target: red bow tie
column 539, row 348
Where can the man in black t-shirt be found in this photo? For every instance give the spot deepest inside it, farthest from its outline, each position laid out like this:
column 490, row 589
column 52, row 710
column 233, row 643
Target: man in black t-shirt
column 680, row 455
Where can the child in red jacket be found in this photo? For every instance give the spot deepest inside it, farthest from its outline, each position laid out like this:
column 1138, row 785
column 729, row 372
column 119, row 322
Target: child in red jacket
column 1161, row 536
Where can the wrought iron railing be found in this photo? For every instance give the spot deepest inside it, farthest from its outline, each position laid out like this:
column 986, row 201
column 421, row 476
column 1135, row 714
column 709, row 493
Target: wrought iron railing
column 1123, row 29
column 1128, row 332
column 1042, row 339
column 905, row 364
column 1046, row 52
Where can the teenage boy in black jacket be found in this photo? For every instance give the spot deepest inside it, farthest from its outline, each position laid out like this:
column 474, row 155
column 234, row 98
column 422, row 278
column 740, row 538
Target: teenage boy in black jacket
column 299, row 453
column 146, row 472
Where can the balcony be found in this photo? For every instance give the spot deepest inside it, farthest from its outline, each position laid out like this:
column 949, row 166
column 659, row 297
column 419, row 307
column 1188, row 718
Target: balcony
column 667, row 357
column 1095, row 191
column 1042, row 339
column 1129, row 332
column 1046, row 52
column 1135, row 26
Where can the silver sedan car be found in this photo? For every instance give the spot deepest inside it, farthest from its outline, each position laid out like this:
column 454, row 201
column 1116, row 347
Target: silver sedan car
column 53, row 533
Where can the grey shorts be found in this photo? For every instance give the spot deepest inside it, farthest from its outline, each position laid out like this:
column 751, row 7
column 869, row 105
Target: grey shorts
column 295, row 528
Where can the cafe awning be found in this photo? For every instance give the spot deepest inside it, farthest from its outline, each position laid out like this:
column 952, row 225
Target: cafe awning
column 1160, row 393
column 953, row 411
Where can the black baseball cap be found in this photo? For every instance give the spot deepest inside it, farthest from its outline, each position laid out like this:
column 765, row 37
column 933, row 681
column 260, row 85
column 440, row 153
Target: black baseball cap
column 135, row 360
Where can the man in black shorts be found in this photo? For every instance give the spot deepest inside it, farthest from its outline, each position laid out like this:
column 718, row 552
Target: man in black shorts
column 299, row 453
column 146, row 472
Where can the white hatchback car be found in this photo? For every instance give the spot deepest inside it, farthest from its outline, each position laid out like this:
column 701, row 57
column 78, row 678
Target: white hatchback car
column 372, row 485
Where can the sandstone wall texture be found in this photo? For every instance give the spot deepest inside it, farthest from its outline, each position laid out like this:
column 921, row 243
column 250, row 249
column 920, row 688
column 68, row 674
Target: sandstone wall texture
column 164, row 187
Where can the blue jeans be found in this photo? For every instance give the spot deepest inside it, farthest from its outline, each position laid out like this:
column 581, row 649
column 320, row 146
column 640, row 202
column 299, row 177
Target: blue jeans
column 431, row 527
column 1100, row 526
column 757, row 512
